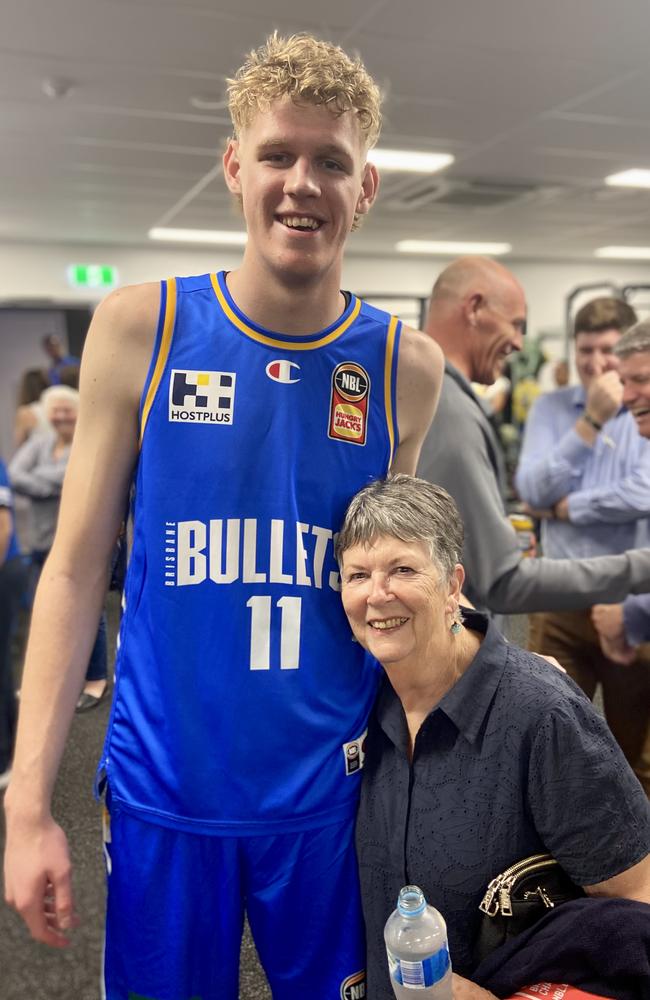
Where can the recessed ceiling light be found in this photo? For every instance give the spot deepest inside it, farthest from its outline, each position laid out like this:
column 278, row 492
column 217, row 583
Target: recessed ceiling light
column 624, row 253
column 57, row 87
column 630, row 178
column 411, row 161
column 225, row 237
column 208, row 102
column 452, row 249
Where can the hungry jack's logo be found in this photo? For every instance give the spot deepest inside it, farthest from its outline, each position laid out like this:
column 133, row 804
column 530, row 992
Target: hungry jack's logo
column 348, row 420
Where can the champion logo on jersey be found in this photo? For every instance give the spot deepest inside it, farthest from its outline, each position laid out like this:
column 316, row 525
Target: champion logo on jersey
column 282, row 371
column 354, row 987
column 349, row 399
column 201, row 397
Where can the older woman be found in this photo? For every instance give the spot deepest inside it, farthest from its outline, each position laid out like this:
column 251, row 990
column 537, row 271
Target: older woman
column 36, row 471
column 478, row 754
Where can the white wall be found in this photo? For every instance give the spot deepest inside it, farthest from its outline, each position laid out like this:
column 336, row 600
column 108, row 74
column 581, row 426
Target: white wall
column 39, row 271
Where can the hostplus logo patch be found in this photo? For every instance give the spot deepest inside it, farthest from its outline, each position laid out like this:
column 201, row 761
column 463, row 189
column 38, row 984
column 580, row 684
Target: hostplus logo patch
column 201, row 397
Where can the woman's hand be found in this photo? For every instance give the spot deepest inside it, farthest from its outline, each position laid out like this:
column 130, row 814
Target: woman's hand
column 464, row 989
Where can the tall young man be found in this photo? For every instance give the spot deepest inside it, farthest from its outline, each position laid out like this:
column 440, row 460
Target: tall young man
column 253, row 406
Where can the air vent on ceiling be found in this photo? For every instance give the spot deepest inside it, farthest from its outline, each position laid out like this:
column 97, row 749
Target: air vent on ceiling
column 455, row 193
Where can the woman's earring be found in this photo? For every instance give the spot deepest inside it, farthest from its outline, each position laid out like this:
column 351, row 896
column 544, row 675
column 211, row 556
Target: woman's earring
column 456, row 622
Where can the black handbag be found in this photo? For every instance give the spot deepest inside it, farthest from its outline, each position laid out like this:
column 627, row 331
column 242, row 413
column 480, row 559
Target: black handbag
column 519, row 896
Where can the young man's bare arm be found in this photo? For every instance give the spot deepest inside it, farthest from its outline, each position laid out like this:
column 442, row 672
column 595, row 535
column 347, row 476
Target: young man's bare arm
column 419, row 380
column 69, row 599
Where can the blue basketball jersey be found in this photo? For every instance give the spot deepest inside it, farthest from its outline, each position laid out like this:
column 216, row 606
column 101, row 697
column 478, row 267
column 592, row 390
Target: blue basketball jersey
column 241, row 698
column 7, row 501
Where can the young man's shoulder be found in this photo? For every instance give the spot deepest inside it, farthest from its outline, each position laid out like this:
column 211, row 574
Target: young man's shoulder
column 421, row 356
column 119, row 344
column 125, row 322
column 131, row 305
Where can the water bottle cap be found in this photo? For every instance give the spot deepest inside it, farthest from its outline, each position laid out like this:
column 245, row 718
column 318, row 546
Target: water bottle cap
column 411, row 901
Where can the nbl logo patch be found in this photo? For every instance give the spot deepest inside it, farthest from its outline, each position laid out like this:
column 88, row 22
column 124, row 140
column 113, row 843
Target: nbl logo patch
column 354, row 987
column 350, row 395
column 201, row 397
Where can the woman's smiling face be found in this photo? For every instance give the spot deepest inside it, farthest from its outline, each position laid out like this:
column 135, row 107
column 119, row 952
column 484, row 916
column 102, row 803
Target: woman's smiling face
column 395, row 600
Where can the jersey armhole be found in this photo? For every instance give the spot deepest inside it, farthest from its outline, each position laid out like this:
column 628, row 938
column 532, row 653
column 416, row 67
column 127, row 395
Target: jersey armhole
column 390, row 385
column 162, row 343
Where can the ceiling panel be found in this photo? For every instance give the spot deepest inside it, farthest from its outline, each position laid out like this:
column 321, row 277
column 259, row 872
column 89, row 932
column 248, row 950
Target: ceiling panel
column 551, row 98
column 610, row 33
column 626, row 100
column 337, row 14
column 464, row 72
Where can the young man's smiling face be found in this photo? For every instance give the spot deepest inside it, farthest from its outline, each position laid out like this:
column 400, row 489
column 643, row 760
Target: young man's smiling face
column 595, row 354
column 302, row 175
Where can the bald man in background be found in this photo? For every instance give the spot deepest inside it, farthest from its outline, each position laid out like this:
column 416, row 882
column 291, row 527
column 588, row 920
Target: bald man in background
column 477, row 315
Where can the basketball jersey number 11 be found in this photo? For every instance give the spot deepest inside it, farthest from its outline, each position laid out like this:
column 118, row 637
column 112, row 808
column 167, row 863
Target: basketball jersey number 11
column 262, row 611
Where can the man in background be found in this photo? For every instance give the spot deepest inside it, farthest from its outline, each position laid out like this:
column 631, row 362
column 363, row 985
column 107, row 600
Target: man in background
column 478, row 317
column 622, row 628
column 586, row 470
column 53, row 347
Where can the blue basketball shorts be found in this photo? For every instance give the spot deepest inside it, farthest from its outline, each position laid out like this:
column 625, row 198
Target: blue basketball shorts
column 176, row 904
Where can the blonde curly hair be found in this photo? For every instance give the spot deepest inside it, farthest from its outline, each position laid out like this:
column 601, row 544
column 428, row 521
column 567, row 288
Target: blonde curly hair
column 307, row 70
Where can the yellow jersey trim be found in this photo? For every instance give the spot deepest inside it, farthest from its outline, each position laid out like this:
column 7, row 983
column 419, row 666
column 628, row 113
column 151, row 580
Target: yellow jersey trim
column 388, row 395
column 285, row 345
column 163, row 352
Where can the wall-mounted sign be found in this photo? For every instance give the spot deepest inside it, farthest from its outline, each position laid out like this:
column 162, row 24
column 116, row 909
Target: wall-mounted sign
column 92, row 276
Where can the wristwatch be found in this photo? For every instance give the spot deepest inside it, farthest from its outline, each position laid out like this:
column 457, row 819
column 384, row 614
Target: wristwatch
column 587, row 417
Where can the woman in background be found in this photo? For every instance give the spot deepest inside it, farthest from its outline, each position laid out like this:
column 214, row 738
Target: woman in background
column 36, row 471
column 30, row 414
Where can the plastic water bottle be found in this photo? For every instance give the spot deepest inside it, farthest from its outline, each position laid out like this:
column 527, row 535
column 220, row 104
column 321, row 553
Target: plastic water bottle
column 416, row 944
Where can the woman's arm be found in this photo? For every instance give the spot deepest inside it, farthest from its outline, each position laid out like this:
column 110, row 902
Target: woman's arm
column 631, row 884
column 25, row 470
column 464, row 989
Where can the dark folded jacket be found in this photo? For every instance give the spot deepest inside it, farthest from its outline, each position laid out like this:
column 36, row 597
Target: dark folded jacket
column 599, row 945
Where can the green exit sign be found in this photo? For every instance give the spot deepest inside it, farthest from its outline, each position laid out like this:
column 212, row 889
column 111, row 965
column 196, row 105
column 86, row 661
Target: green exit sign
column 92, row 275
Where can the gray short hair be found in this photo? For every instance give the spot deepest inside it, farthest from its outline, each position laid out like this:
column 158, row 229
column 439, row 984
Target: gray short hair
column 635, row 341
column 407, row 508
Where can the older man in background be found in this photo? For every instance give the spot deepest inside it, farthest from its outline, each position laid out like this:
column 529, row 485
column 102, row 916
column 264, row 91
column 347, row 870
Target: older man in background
column 622, row 628
column 478, row 317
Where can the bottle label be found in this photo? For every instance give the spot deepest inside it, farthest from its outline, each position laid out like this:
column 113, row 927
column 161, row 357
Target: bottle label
column 417, row 975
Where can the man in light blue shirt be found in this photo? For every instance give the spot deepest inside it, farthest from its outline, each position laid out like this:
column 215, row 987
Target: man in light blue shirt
column 585, row 469
column 624, row 627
